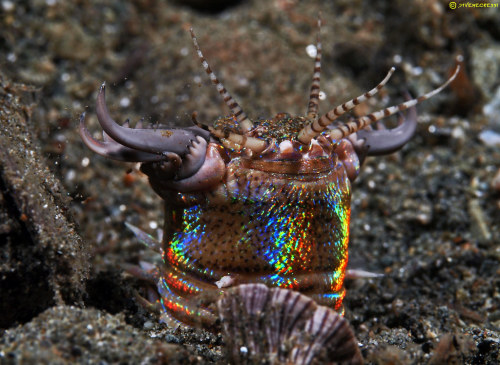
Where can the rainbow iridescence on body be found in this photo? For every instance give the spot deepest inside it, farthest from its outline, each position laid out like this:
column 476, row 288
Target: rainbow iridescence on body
column 284, row 230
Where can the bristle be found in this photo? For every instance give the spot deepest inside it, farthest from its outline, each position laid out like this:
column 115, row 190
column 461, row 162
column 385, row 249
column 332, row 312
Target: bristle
column 145, row 238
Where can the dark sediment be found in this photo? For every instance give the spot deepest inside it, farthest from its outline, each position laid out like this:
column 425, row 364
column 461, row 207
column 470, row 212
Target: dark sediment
column 43, row 260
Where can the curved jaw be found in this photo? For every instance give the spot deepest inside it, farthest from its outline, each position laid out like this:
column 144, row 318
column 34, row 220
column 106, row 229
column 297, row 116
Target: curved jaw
column 112, row 149
column 385, row 141
column 176, row 140
column 210, row 173
column 181, row 149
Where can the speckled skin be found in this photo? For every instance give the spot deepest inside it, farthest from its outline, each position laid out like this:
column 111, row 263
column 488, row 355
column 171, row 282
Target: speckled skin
column 272, row 220
column 232, row 230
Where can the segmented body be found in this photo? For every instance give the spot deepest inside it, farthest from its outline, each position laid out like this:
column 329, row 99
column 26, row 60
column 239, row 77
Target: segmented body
column 272, row 228
column 264, row 201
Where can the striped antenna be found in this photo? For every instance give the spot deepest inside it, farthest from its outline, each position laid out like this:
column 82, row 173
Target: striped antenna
column 252, row 143
column 312, row 107
column 239, row 114
column 194, row 119
column 358, row 124
column 314, row 128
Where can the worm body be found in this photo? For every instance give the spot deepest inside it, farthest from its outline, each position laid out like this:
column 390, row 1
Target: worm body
column 253, row 201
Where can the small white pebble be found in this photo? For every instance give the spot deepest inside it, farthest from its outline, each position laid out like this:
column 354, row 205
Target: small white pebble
column 490, row 138
column 368, row 170
column 311, row 50
column 122, row 207
column 153, row 225
column 65, row 77
column 124, row 102
column 7, row 5
column 243, row 350
column 243, row 81
column 423, row 218
column 224, row 282
column 397, row 59
column 11, row 57
column 85, row 161
column 417, row 71
column 184, row 51
column 70, row 176
column 458, row 133
column 430, row 158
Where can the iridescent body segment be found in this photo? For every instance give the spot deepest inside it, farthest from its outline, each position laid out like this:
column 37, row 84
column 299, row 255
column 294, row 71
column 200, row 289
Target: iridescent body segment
column 277, row 229
column 253, row 201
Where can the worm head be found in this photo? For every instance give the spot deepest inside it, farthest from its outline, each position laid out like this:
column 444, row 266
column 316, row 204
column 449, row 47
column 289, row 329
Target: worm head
column 195, row 158
column 173, row 154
